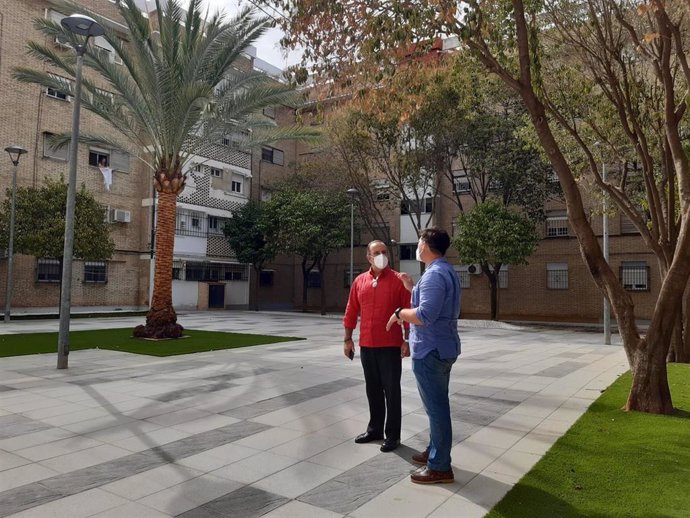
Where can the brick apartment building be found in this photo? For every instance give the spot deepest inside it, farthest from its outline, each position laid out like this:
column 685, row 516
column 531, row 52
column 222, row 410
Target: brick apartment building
column 554, row 286
column 220, row 179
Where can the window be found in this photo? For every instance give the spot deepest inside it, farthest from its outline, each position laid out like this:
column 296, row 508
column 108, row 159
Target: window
column 59, row 92
column 557, row 276
column 48, row 270
column 346, row 276
column 215, row 172
column 189, row 223
column 196, row 168
column 556, row 223
column 408, row 252
column 214, row 226
column 423, row 206
column 634, row 275
column 461, row 182
column 51, row 152
column 98, row 158
column 95, row 272
column 272, row 155
column 266, row 277
column 314, row 279
column 197, row 271
column 226, row 141
column 503, row 277
column 236, row 186
column 463, row 275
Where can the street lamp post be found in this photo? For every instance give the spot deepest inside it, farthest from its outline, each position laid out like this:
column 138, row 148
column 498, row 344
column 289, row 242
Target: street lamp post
column 15, row 153
column 82, row 26
column 353, row 193
column 605, row 243
column 605, row 231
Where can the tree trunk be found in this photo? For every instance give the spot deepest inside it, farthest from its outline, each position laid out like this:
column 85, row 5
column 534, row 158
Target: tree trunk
column 677, row 337
column 305, row 279
column 257, row 279
column 493, row 287
column 682, row 352
column 650, row 391
column 161, row 320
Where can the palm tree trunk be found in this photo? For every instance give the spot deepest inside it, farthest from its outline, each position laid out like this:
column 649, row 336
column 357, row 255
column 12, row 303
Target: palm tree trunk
column 161, row 320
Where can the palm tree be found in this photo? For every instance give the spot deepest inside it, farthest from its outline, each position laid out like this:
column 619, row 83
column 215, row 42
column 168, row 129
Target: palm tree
column 178, row 88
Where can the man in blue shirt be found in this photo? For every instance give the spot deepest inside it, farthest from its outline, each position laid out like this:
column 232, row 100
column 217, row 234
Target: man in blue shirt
column 435, row 346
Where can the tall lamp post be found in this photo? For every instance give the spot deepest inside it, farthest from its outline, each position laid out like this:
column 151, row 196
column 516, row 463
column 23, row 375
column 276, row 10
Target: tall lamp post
column 605, row 244
column 605, row 231
column 353, row 194
column 82, row 26
column 15, row 153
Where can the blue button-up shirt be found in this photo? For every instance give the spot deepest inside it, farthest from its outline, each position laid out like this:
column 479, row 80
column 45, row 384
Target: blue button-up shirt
column 437, row 300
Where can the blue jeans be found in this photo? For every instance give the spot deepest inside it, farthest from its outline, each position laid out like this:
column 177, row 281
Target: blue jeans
column 433, row 374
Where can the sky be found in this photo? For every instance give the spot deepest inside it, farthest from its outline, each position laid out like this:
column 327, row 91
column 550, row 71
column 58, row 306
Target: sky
column 268, row 46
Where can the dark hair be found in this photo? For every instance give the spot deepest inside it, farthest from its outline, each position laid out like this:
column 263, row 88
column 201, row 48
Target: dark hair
column 436, row 239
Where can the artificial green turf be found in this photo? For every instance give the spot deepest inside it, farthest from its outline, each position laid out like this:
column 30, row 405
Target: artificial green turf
column 613, row 463
column 121, row 340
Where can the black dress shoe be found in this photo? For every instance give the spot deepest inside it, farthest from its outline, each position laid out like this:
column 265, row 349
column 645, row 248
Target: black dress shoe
column 368, row 437
column 389, row 445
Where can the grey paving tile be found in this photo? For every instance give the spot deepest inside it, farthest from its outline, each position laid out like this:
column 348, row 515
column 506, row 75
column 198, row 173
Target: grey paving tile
column 100, row 474
column 216, row 383
column 352, row 489
column 292, row 398
column 25, row 497
column 201, row 442
column 14, row 425
column 246, row 502
column 562, row 369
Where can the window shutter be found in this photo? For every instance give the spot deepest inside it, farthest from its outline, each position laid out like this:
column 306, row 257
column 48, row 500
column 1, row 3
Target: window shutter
column 119, row 161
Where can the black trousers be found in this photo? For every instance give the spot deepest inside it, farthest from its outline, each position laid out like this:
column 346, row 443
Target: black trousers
column 382, row 371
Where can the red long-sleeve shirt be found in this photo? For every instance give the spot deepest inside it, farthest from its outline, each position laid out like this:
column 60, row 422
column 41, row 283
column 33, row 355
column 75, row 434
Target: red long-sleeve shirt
column 374, row 306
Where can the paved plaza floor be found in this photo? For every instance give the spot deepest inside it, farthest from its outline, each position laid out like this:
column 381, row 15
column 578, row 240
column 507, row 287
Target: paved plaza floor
column 268, row 430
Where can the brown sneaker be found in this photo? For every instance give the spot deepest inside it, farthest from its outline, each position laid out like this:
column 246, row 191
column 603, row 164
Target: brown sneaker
column 429, row 476
column 421, row 458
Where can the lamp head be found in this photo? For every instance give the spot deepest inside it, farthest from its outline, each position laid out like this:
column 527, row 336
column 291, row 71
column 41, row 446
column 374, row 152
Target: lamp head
column 15, row 152
column 82, row 25
column 353, row 192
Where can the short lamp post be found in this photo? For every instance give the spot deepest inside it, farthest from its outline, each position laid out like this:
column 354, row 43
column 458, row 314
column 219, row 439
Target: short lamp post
column 82, row 26
column 15, row 153
column 353, row 194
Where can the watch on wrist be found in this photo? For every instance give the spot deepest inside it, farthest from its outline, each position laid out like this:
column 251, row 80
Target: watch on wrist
column 397, row 313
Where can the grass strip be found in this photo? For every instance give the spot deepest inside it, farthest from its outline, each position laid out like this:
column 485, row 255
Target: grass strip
column 121, row 340
column 613, row 463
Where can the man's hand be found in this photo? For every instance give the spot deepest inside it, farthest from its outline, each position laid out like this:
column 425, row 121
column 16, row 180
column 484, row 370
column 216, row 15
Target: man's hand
column 348, row 348
column 393, row 320
column 406, row 280
column 405, row 349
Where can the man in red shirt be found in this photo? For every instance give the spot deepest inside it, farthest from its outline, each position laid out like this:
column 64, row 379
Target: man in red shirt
column 374, row 294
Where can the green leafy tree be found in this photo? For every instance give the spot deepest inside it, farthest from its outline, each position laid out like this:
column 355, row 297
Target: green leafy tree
column 492, row 235
column 176, row 89
column 633, row 58
column 40, row 223
column 311, row 224
column 247, row 233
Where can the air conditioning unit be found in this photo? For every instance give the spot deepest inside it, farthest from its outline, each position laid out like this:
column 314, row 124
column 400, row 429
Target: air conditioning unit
column 475, row 269
column 120, row 216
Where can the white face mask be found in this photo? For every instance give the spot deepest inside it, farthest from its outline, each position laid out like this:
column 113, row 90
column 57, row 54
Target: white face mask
column 418, row 253
column 381, row 261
